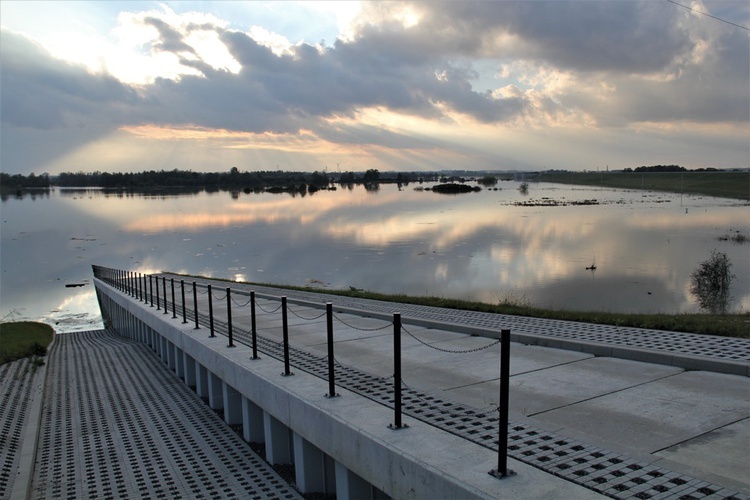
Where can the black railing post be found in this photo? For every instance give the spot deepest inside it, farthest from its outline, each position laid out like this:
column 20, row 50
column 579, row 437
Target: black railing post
column 285, row 329
column 397, row 372
column 211, row 311
column 164, row 286
column 229, row 317
column 252, row 325
column 331, row 372
column 502, row 444
column 151, row 288
column 174, row 304
column 195, row 304
column 184, row 310
column 158, row 304
column 138, row 287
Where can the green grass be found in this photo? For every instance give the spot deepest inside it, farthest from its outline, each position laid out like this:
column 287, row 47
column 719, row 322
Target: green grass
column 728, row 325
column 734, row 185
column 22, row 339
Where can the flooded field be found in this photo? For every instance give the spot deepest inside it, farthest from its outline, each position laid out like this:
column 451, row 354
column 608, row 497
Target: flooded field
column 555, row 246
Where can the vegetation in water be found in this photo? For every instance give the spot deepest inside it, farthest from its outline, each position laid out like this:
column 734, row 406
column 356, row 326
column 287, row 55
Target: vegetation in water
column 455, row 188
column 22, row 339
column 710, row 283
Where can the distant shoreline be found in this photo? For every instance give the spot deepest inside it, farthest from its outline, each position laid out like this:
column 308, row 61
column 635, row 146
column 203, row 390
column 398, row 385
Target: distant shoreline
column 733, row 184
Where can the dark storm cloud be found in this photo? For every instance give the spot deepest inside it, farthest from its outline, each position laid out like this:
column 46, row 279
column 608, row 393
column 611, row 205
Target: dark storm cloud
column 579, row 35
column 41, row 92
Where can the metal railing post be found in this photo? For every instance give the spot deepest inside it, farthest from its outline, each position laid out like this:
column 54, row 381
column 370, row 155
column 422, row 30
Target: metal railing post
column 502, row 444
column 174, row 304
column 229, row 317
column 158, row 302
column 285, row 329
column 151, row 288
column 397, row 372
column 331, row 371
column 211, row 311
column 195, row 304
column 252, row 325
column 184, row 310
column 164, row 286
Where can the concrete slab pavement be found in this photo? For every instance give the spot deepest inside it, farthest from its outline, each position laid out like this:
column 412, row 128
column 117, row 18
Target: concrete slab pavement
column 653, row 412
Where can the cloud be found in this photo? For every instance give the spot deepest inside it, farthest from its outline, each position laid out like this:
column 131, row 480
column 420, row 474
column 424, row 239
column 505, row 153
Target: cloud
column 557, row 67
column 39, row 91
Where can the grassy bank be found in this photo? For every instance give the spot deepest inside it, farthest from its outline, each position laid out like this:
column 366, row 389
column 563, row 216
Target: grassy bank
column 728, row 325
column 23, row 338
column 721, row 184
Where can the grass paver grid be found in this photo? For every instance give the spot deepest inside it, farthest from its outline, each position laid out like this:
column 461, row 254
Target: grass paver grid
column 118, row 424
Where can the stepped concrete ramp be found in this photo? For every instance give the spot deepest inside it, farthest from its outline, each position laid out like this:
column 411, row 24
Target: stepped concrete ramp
column 116, row 423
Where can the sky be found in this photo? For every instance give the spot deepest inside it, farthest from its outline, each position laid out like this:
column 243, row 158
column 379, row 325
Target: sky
column 391, row 85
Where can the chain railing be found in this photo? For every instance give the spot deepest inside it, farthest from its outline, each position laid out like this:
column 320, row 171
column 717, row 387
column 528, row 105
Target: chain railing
column 142, row 286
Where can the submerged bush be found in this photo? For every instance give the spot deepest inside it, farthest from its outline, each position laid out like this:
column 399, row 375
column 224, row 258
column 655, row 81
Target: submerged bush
column 710, row 283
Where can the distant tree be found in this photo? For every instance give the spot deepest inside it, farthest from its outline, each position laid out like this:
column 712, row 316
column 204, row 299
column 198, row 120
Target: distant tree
column 371, row 175
column 661, row 168
column 488, row 180
column 710, row 283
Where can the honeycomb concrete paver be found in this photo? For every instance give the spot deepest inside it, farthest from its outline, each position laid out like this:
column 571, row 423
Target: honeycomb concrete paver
column 15, row 396
column 118, row 424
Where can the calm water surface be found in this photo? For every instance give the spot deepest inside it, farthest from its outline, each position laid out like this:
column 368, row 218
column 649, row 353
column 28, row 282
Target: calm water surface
column 478, row 246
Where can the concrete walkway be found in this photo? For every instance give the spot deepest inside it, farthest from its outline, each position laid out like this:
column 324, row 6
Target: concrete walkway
column 693, row 426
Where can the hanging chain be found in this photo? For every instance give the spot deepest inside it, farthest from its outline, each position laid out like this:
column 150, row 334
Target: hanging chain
column 266, row 311
column 305, row 318
column 362, row 329
column 451, row 351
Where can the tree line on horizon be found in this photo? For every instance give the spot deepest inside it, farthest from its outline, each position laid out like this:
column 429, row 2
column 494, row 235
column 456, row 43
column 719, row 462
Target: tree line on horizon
column 247, row 181
column 178, row 179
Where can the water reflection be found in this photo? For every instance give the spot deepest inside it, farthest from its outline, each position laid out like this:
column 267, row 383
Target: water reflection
column 475, row 246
